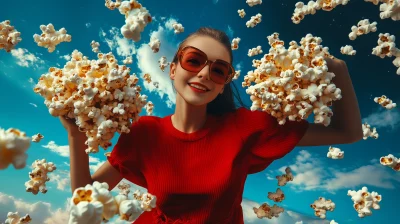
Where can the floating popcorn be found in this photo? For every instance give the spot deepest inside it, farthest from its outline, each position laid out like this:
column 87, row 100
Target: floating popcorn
column 9, row 36
column 237, row 74
column 254, row 20
column 113, row 5
column 302, row 10
column 335, row 153
column 14, row 218
column 293, row 83
column 242, row 13
column 147, row 77
column 284, row 178
column 367, row 132
column 385, row 102
column 37, row 137
column 107, row 154
column 155, row 44
column 252, row 3
column 50, row 38
column 390, row 9
column 364, row 201
column 149, row 108
column 156, row 84
column 278, row 196
column 391, row 161
column 387, row 48
column 266, row 211
column 95, row 46
column 163, row 63
column 348, row 50
column 38, row 176
column 363, row 27
column 255, row 51
column 13, row 145
column 322, row 205
column 127, row 60
column 178, row 28
column 100, row 95
column 235, row 43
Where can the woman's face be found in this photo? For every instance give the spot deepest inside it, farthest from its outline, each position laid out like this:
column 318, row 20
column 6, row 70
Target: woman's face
column 183, row 80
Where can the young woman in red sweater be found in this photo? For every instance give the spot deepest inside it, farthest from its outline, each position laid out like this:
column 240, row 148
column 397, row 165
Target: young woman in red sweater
column 196, row 160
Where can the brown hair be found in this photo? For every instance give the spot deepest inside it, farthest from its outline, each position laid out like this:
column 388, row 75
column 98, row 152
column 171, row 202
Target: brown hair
column 224, row 102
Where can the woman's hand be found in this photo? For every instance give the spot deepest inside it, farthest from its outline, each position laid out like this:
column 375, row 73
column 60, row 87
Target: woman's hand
column 69, row 124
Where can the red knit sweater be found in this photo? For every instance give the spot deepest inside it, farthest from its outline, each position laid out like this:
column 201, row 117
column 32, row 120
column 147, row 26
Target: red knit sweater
column 199, row 177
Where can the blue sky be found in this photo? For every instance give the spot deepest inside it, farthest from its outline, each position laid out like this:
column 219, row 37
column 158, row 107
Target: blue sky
column 315, row 175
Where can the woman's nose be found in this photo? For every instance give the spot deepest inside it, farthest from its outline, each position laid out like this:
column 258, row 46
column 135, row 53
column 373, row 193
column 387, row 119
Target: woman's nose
column 204, row 72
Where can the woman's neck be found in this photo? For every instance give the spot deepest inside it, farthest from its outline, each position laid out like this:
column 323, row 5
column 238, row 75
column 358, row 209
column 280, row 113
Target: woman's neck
column 188, row 118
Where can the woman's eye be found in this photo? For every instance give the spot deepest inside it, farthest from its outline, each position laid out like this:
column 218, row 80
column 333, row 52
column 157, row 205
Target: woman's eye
column 193, row 61
column 218, row 71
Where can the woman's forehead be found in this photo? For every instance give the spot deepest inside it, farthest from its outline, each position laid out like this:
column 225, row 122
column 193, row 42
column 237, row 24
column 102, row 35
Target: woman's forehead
column 211, row 47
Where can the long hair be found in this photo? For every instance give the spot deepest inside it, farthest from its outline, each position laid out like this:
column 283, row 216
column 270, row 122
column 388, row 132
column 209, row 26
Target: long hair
column 223, row 103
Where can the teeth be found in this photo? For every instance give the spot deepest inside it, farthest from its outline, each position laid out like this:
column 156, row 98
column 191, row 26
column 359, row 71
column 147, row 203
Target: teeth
column 198, row 87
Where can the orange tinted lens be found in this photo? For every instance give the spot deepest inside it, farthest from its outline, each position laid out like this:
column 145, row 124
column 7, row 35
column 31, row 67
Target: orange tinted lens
column 193, row 60
column 220, row 71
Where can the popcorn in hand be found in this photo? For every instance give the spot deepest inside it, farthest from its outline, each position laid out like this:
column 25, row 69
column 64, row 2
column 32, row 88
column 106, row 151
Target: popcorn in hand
column 163, row 63
column 391, row 161
column 252, row 3
column 9, row 36
column 37, row 137
column 348, row 50
column 278, row 196
column 367, row 132
column 284, row 178
column 322, row 205
column 50, row 38
column 127, row 60
column 242, row 13
column 155, row 44
column 13, row 145
column 335, row 153
column 302, row 10
column 237, row 74
column 266, row 211
column 385, row 102
column 235, row 43
column 178, row 28
column 38, row 176
column 14, row 218
column 254, row 20
column 364, row 201
column 255, row 51
column 363, row 27
column 95, row 46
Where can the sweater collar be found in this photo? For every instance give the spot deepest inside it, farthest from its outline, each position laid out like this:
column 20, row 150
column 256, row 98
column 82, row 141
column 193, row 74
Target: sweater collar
column 171, row 130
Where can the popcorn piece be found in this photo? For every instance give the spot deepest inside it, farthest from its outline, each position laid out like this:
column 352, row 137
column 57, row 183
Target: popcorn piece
column 302, row 10
column 252, row 3
column 37, row 137
column 38, row 176
column 178, row 28
column 155, row 44
column 113, row 5
column 390, row 9
column 237, row 74
column 149, row 108
column 335, row 153
column 279, row 196
column 348, row 50
column 385, row 102
column 254, row 20
column 284, row 178
column 391, row 161
column 107, row 154
column 255, row 51
column 147, row 77
column 163, row 63
column 13, row 145
column 235, row 43
column 124, row 188
column 242, row 13
column 363, row 27
column 9, row 36
column 127, row 60
column 99, row 94
column 364, row 201
column 266, row 211
column 50, row 38
column 387, row 48
column 95, row 46
column 322, row 205
column 367, row 132
column 14, row 218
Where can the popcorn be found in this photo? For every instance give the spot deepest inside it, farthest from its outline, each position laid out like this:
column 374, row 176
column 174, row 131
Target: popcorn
column 266, row 211
column 276, row 197
column 254, row 20
column 13, row 145
column 37, row 137
column 242, row 13
column 302, row 10
column 127, row 60
column 124, row 188
column 284, row 178
column 335, row 153
column 14, row 218
column 149, row 108
column 100, row 95
column 113, row 5
column 363, row 27
column 364, row 201
column 237, row 74
column 390, row 9
column 322, row 205
column 50, row 38
column 178, row 28
column 385, row 102
column 131, row 209
column 293, row 83
column 391, row 162
column 147, row 77
column 252, row 3
column 387, row 48
column 163, row 63
column 107, row 154
column 255, row 51
column 367, row 132
column 235, row 43
column 95, row 46
column 38, row 176
column 348, row 50
column 155, row 44
column 9, row 36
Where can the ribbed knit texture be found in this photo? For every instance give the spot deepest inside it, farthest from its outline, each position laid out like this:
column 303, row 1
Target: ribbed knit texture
column 199, row 177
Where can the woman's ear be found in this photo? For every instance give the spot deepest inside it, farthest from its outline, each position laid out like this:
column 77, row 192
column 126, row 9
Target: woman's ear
column 172, row 69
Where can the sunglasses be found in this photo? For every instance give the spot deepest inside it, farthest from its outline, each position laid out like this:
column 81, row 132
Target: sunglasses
column 194, row 60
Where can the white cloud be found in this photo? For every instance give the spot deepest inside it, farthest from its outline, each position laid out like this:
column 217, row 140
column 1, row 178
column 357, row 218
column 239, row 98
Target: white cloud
column 239, row 66
column 384, row 118
column 169, row 23
column 88, row 25
column 31, row 81
column 33, row 104
column 94, row 164
column 62, row 150
column 66, row 57
column 24, row 58
column 123, row 46
column 62, row 179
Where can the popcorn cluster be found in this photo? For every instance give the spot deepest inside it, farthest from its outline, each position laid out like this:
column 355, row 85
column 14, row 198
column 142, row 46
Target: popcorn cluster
column 348, row 50
column 237, row 74
column 9, row 36
column 364, row 201
column 363, row 27
column 254, row 20
column 136, row 17
column 242, row 13
column 252, row 3
column 302, row 10
column 385, row 102
column 235, row 43
column 163, row 63
column 266, row 211
column 284, row 178
column 38, row 176
column 335, row 153
column 292, row 83
column 389, row 9
column 387, row 48
column 178, row 28
column 322, row 205
column 14, row 218
column 13, row 145
column 50, row 38
column 278, row 196
column 255, row 51
column 37, row 137
column 155, row 44
column 127, row 60
column 391, row 161
column 99, row 94
column 367, row 132
column 149, row 108
column 95, row 46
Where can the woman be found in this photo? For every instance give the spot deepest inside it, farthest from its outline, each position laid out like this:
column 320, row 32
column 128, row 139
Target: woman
column 196, row 160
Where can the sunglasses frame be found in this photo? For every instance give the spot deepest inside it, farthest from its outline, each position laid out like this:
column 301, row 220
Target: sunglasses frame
column 179, row 56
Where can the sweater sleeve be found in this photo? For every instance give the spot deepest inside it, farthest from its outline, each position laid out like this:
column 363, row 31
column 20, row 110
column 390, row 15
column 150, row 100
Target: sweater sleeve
column 265, row 139
column 125, row 156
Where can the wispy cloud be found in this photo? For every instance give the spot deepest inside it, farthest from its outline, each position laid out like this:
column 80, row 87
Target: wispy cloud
column 117, row 42
column 67, row 57
column 62, row 150
column 384, row 118
column 62, row 178
column 25, row 58
column 88, row 25
column 33, row 104
column 229, row 31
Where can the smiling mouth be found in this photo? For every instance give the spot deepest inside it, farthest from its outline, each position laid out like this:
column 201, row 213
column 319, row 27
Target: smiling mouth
column 198, row 87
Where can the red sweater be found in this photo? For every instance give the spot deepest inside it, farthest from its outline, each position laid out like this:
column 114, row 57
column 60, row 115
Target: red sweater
column 199, row 177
